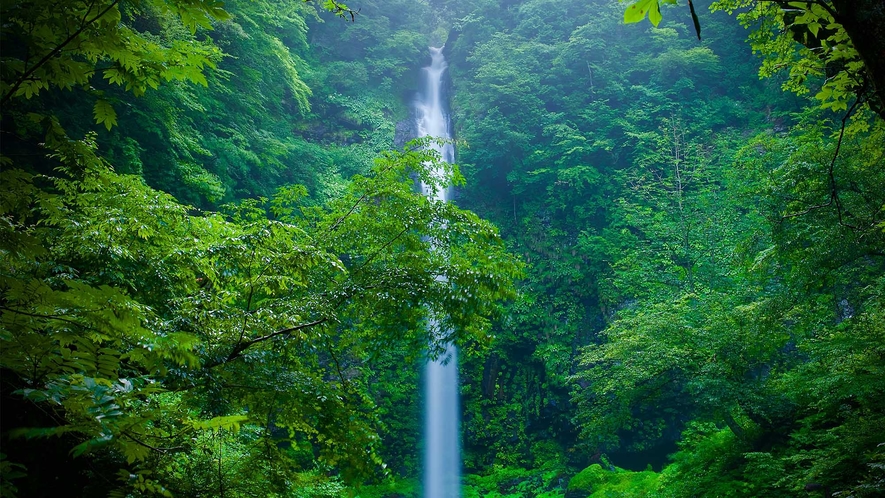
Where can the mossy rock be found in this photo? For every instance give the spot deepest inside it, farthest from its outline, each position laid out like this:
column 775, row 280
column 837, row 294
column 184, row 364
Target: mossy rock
column 589, row 479
column 596, row 482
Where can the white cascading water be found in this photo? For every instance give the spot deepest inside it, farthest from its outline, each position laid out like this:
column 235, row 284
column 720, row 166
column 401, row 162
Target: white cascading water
column 442, row 452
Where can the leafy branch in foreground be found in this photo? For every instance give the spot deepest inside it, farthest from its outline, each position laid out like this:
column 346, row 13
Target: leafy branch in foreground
column 841, row 43
column 123, row 310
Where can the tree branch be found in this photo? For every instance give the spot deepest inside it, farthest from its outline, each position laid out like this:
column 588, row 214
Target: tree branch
column 46, row 317
column 27, row 74
column 148, row 446
column 337, row 366
column 355, row 205
column 344, row 216
column 785, row 4
column 248, row 301
column 238, row 350
column 383, row 248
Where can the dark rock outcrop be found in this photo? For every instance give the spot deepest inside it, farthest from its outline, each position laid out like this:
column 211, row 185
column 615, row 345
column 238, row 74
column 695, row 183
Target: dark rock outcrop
column 406, row 130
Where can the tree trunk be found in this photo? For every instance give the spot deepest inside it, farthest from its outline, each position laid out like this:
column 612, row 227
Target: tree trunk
column 734, row 426
column 864, row 22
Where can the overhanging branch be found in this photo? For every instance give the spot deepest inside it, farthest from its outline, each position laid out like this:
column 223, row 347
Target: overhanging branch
column 27, row 74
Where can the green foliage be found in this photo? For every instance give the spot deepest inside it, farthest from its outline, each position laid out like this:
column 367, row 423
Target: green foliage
column 152, row 331
column 148, row 329
column 231, row 135
column 718, row 451
column 679, row 269
column 596, row 162
column 118, row 297
column 8, row 472
column 69, row 47
column 727, row 355
column 776, row 44
column 827, row 59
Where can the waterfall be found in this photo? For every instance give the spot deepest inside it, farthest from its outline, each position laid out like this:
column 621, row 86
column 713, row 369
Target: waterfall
column 442, row 452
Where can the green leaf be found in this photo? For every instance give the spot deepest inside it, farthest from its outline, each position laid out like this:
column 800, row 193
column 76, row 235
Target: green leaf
column 654, row 14
column 638, row 10
column 90, row 445
column 105, row 114
column 230, row 423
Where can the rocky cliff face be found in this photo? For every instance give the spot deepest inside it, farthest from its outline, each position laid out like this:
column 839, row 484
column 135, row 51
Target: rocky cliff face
column 406, row 130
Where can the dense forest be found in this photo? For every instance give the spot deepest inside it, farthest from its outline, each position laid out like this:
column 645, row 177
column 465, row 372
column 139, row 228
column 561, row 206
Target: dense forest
column 664, row 264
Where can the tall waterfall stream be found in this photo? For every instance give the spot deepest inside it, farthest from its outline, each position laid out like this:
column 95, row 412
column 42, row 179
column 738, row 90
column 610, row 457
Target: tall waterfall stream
column 442, row 453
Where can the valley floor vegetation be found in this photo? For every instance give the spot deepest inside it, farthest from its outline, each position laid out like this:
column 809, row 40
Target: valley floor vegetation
column 664, row 265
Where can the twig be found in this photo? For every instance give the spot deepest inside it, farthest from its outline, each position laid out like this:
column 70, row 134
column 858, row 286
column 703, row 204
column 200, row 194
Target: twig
column 148, row 446
column 834, row 192
column 245, row 345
